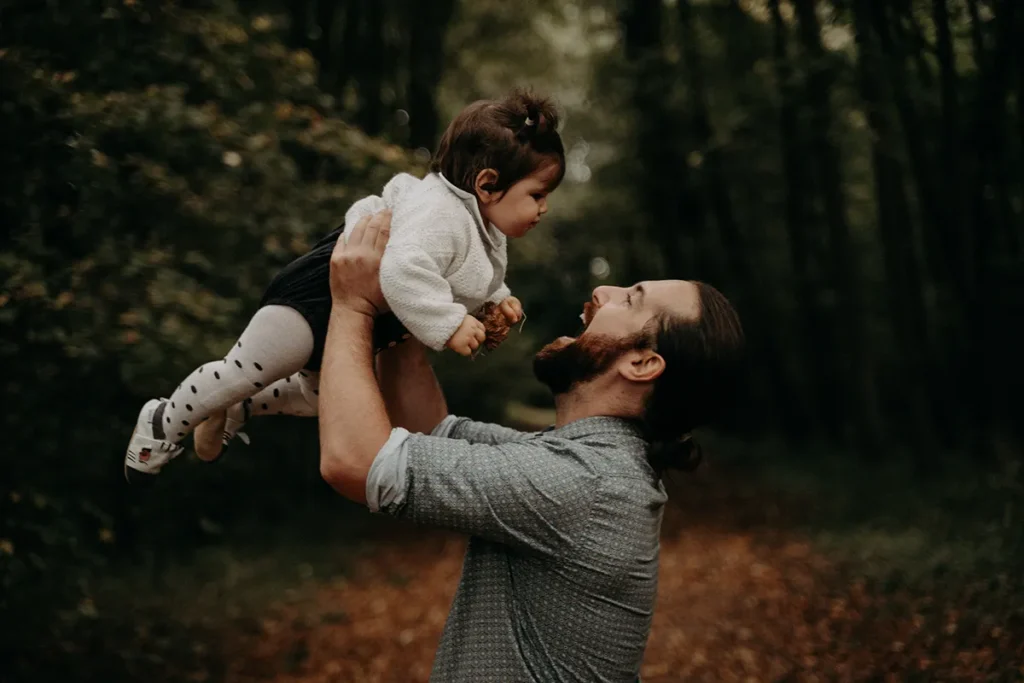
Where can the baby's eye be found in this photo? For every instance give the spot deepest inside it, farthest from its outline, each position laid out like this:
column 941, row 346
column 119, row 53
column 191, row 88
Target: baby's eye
column 629, row 299
column 538, row 196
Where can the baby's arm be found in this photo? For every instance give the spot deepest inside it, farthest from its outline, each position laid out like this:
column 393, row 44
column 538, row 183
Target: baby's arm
column 412, row 280
column 500, row 294
column 509, row 305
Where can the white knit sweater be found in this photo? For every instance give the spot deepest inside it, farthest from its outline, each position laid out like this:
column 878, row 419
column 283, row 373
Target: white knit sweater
column 443, row 259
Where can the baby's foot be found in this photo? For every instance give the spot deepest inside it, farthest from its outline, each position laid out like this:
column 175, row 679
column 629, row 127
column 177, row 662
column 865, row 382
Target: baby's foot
column 210, row 437
column 149, row 448
column 206, row 439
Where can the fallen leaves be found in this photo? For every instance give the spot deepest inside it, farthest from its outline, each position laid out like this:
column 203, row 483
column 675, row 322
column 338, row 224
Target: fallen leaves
column 732, row 606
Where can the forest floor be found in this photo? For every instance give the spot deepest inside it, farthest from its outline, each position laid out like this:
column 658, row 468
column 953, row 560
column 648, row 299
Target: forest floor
column 766, row 575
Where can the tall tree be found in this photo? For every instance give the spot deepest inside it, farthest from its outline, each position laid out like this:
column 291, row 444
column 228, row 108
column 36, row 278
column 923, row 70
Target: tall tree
column 372, row 68
column 816, row 384
column 672, row 214
column 996, row 227
column 942, row 230
column 426, row 62
column 351, row 53
column 903, row 273
column 848, row 320
column 325, row 44
column 714, row 183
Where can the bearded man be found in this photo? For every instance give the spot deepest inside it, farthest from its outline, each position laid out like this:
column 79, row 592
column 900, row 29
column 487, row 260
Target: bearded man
column 560, row 575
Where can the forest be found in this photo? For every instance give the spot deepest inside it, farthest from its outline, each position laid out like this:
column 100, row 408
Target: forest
column 850, row 173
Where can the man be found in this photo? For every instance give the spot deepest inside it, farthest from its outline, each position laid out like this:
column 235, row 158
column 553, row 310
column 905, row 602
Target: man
column 560, row 576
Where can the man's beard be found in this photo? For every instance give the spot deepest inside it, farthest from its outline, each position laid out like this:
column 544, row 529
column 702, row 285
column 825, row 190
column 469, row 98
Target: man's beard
column 564, row 363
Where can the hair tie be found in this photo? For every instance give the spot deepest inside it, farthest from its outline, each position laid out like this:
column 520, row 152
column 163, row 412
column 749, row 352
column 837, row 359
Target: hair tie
column 528, row 121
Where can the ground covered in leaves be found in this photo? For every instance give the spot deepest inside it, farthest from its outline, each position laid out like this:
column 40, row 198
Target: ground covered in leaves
column 761, row 580
column 764, row 577
column 732, row 606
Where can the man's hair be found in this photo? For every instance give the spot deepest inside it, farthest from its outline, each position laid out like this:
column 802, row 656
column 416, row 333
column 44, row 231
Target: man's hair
column 703, row 368
column 516, row 136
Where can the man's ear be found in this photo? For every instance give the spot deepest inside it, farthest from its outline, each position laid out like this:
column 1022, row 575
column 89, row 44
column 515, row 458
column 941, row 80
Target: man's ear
column 486, row 180
column 641, row 365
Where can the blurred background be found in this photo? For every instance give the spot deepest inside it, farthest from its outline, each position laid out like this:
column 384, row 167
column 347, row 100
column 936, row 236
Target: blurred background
column 849, row 172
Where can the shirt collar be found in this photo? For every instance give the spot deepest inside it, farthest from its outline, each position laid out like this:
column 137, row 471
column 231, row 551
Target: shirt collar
column 601, row 424
column 492, row 237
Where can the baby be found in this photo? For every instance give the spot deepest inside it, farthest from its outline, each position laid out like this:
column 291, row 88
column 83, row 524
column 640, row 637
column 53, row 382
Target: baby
column 496, row 164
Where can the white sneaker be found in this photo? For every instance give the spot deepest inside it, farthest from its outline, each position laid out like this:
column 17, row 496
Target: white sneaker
column 149, row 448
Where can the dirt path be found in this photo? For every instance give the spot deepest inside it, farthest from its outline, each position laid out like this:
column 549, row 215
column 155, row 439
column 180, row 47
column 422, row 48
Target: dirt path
column 745, row 607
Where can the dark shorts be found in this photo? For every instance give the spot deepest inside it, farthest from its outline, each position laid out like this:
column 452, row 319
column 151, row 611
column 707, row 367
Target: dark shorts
column 304, row 285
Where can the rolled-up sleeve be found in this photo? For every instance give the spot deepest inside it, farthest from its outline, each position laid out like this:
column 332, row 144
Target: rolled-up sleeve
column 386, row 483
column 529, row 494
column 480, row 432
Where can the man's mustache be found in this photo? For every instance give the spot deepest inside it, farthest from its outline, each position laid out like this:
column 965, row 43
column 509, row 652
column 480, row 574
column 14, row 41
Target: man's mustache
column 589, row 310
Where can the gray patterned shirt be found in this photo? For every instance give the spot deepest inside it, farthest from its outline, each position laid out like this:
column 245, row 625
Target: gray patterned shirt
column 561, row 573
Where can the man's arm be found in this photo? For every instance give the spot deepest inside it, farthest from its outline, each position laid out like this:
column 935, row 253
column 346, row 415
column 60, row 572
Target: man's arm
column 412, row 395
column 415, row 401
column 529, row 494
column 354, row 423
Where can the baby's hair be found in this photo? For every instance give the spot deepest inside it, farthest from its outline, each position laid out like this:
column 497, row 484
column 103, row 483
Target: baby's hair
column 516, row 136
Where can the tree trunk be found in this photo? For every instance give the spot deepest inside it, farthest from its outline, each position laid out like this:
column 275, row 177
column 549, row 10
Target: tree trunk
column 953, row 234
column 995, row 103
column 758, row 308
column 945, row 233
column 429, row 22
column 298, row 33
column 854, row 362
column 903, row 273
column 372, row 69
column 977, row 37
column 995, row 231
column 323, row 47
column 663, row 180
column 920, row 50
column 351, row 49
column 1020, row 104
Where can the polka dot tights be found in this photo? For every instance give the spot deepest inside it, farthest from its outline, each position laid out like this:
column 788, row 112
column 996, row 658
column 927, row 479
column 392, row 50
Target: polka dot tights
column 265, row 365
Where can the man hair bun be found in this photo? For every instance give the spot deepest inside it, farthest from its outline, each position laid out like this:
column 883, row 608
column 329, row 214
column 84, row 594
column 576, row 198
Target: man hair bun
column 683, row 454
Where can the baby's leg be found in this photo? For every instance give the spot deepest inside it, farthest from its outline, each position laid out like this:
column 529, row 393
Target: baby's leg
column 297, row 395
column 277, row 343
column 294, row 395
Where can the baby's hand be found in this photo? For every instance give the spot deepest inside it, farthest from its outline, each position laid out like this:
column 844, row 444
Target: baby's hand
column 468, row 337
column 512, row 308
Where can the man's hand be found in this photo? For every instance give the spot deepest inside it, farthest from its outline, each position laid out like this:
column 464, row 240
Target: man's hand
column 468, row 338
column 355, row 266
column 512, row 309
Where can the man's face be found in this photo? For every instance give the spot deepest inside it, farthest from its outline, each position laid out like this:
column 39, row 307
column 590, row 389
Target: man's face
column 624, row 311
column 615, row 322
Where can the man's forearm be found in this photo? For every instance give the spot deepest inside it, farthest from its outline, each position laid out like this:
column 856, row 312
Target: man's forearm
column 411, row 392
column 354, row 423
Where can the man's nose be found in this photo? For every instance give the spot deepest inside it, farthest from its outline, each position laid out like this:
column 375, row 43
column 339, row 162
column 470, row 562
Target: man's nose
column 604, row 294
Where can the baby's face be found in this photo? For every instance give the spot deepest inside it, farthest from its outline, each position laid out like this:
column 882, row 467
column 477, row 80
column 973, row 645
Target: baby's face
column 520, row 208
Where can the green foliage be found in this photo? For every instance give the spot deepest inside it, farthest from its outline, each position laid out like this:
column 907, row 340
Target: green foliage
column 148, row 211
column 161, row 163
